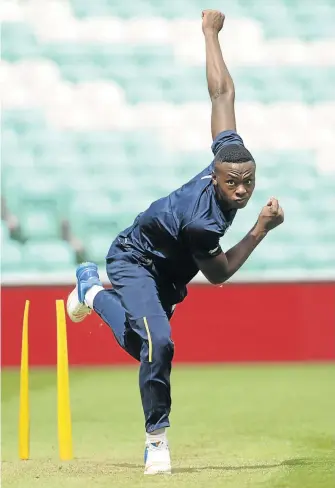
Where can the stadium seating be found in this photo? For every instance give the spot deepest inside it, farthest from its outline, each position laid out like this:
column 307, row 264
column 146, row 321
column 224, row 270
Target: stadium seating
column 48, row 255
column 11, row 256
column 109, row 98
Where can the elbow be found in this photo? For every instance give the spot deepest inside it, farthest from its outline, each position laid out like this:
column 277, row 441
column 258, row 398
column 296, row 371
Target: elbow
column 222, row 87
column 217, row 280
column 223, row 93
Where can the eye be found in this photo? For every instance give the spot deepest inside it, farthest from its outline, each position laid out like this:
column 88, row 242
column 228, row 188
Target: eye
column 230, row 182
column 248, row 181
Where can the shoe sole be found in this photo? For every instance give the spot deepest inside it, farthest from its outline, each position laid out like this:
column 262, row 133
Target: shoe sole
column 156, row 470
column 148, row 473
column 78, row 316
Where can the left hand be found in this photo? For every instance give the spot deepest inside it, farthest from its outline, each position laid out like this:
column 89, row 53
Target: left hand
column 271, row 215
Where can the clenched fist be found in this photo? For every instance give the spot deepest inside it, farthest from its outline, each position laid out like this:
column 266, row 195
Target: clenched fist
column 212, row 21
column 271, row 215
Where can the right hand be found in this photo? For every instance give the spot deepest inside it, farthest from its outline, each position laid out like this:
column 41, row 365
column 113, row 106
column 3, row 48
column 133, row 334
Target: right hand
column 271, row 216
column 212, row 21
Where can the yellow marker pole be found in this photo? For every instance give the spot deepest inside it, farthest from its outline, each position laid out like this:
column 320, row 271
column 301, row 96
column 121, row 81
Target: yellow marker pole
column 63, row 391
column 24, row 426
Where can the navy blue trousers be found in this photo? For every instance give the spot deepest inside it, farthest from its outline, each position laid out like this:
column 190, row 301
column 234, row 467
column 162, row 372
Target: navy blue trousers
column 138, row 309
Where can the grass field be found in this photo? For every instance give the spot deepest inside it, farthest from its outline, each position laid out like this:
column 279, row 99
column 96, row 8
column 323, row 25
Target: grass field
column 232, row 427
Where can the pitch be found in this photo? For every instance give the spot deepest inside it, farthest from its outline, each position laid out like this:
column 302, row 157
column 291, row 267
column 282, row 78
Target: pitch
column 233, row 427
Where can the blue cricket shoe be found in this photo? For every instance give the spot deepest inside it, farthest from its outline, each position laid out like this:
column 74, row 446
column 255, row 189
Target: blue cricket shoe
column 87, row 276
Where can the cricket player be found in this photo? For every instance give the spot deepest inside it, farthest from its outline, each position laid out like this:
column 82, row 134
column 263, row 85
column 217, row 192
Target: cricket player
column 150, row 263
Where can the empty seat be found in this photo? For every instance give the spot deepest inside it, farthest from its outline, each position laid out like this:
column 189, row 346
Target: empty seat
column 96, row 247
column 92, row 214
column 18, row 41
column 272, row 256
column 21, row 120
column 48, row 255
column 39, row 190
column 11, row 256
column 39, row 223
column 4, row 233
column 319, row 256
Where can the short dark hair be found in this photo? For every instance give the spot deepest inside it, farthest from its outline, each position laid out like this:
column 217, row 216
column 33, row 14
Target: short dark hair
column 233, row 153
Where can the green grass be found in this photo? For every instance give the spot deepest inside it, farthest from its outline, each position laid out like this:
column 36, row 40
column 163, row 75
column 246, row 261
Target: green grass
column 232, row 427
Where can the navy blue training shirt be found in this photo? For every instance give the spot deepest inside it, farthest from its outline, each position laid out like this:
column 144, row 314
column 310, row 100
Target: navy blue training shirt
column 187, row 223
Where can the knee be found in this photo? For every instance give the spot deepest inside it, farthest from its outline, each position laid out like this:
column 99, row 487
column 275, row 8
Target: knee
column 162, row 347
column 157, row 345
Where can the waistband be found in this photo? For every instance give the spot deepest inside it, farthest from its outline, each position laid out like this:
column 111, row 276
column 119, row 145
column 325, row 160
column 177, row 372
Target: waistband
column 124, row 244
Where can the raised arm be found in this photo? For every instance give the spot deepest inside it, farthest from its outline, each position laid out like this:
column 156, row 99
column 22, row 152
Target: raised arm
column 220, row 84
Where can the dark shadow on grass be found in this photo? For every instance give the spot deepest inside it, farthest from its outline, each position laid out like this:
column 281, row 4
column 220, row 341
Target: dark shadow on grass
column 287, row 462
column 88, row 467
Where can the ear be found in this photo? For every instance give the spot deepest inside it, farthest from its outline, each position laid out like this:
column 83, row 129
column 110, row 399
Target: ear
column 214, row 179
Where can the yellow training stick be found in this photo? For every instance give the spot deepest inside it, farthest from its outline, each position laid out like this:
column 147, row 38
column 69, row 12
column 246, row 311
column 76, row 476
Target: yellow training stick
column 24, row 426
column 63, row 393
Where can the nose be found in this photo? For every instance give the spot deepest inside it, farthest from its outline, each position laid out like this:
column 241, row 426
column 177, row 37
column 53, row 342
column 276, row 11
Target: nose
column 240, row 191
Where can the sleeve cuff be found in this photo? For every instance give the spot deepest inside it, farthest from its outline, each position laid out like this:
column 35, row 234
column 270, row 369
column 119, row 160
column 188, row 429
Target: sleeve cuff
column 224, row 139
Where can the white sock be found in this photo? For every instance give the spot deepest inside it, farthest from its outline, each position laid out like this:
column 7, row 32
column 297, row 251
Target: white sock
column 156, row 435
column 91, row 294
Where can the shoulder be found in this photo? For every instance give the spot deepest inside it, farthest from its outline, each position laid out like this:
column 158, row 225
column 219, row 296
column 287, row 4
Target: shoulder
column 204, row 225
column 191, row 199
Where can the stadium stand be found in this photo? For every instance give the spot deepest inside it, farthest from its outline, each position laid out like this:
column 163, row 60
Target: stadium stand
column 110, row 97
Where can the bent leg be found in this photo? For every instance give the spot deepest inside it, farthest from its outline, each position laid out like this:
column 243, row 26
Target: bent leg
column 108, row 306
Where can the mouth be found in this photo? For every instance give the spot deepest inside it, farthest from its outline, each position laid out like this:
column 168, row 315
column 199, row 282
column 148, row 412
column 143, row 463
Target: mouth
column 240, row 202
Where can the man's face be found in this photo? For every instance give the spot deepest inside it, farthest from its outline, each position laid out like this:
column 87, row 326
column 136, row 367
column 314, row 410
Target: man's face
column 234, row 183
